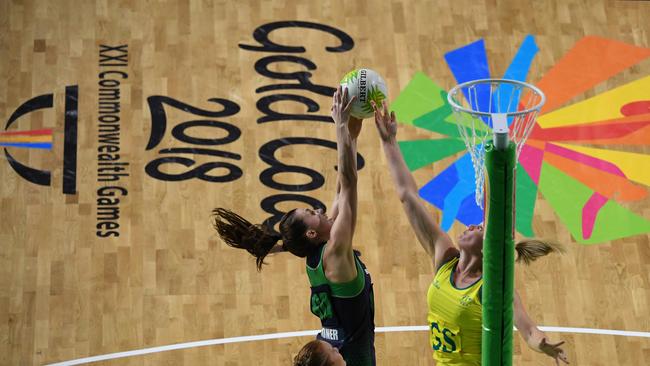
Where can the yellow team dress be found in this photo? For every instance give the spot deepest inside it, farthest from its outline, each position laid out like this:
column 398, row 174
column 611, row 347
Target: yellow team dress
column 454, row 319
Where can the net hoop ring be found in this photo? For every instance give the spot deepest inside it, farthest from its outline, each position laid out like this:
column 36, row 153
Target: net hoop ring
column 454, row 91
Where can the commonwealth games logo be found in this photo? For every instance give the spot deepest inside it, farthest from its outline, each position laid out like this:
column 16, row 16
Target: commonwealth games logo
column 18, row 136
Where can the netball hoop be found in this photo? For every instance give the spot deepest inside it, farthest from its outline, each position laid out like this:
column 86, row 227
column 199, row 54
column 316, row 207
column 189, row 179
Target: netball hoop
column 502, row 109
column 494, row 118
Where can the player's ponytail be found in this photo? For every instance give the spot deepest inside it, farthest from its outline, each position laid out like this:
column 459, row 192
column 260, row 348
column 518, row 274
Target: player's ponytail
column 528, row 250
column 260, row 239
column 239, row 233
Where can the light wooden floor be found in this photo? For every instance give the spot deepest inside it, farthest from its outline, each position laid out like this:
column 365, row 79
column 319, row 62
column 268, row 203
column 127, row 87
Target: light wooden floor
column 66, row 293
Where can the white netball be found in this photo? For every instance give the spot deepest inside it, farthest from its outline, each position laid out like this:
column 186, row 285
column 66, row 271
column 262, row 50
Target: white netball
column 366, row 85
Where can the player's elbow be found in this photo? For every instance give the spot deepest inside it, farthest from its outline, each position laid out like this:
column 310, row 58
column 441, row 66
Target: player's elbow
column 348, row 178
column 405, row 195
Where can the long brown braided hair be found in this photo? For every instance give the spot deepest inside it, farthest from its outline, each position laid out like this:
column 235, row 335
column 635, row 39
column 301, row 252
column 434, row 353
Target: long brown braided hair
column 259, row 239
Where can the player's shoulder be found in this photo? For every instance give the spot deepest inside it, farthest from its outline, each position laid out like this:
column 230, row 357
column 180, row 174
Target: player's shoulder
column 446, row 258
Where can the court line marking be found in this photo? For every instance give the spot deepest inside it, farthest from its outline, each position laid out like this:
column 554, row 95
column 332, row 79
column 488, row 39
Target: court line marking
column 262, row 337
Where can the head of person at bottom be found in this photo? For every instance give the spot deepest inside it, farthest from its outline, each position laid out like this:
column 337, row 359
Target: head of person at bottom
column 471, row 241
column 302, row 231
column 318, row 353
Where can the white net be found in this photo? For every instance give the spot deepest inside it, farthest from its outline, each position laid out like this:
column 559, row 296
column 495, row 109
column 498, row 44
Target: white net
column 478, row 104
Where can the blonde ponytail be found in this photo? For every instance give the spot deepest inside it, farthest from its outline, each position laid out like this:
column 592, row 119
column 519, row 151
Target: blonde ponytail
column 528, row 250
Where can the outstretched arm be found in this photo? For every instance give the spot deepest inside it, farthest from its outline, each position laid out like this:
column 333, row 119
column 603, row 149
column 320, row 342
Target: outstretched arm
column 354, row 126
column 433, row 239
column 338, row 256
column 535, row 338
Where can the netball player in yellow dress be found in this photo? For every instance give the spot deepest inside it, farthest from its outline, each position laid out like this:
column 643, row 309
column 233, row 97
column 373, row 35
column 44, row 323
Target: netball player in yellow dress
column 454, row 296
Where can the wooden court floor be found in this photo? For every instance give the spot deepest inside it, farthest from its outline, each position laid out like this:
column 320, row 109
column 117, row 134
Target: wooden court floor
column 105, row 238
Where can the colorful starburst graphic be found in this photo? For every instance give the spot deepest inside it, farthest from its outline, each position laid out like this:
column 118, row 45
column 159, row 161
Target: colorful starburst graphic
column 575, row 156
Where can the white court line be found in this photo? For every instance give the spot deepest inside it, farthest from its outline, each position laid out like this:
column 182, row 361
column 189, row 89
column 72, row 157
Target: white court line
column 261, row 337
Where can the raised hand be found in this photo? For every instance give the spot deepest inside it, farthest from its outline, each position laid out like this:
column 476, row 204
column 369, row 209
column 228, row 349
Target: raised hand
column 385, row 122
column 341, row 106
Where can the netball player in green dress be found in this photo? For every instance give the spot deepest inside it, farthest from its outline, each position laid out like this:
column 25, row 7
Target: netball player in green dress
column 341, row 287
